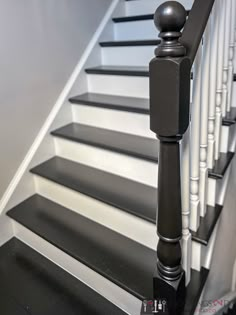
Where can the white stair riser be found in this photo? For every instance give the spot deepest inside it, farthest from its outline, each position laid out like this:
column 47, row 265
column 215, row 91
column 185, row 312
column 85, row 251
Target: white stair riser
column 117, row 220
column 131, row 86
column 119, row 85
column 134, row 30
column 149, row 6
column 134, row 55
column 104, row 287
column 225, row 138
column 131, row 123
column 120, row 164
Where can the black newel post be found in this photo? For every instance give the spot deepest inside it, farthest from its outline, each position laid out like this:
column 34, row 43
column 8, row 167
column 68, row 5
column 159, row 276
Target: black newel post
column 169, row 119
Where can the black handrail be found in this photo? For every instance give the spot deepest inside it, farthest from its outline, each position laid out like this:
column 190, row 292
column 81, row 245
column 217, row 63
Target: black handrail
column 195, row 26
column 170, row 76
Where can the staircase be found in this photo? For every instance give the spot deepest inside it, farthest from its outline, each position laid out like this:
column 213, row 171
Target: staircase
column 85, row 241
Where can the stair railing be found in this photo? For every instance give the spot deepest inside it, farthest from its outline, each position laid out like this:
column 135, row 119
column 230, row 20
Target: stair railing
column 196, row 46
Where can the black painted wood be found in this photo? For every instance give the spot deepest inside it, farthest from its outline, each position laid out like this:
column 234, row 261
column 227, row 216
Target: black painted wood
column 33, row 285
column 194, row 288
column 195, row 26
column 125, row 194
column 133, row 18
column 207, row 225
column 230, row 117
column 123, row 261
column 136, row 146
column 119, row 70
column 129, row 104
column 221, row 165
column 127, row 43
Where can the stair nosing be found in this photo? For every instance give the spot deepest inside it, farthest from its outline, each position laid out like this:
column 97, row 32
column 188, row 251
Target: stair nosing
column 130, row 43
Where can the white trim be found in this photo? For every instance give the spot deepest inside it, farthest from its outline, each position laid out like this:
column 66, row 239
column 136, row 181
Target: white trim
column 116, row 295
column 60, row 101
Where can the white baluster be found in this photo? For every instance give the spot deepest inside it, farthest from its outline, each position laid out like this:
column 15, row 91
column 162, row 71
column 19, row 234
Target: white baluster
column 219, row 87
column 212, row 87
column 231, row 55
column 204, row 120
column 195, row 143
column 185, row 191
column 226, row 56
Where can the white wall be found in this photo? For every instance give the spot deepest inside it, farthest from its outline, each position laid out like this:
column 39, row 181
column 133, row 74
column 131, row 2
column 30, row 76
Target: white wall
column 41, row 42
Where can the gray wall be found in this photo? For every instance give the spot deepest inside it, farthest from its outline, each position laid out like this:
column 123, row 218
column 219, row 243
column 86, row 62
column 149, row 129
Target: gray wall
column 41, row 42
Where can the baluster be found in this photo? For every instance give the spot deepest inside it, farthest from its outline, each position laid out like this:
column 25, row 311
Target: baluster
column 204, row 120
column 169, row 119
column 195, row 143
column 185, row 189
column 219, row 89
column 212, row 87
column 226, row 57
column 231, row 56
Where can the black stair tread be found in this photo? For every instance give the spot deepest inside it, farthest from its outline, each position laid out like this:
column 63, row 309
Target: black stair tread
column 132, row 18
column 120, row 142
column 221, row 165
column 230, row 117
column 123, row 261
column 121, row 43
column 207, row 225
column 130, row 104
column 119, row 70
column 123, row 193
column 34, row 285
column 194, row 290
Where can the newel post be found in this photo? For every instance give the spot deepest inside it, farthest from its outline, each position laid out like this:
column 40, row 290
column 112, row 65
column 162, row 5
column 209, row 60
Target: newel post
column 169, row 119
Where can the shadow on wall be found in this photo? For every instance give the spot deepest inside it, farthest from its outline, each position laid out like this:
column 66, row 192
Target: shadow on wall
column 41, row 43
column 220, row 278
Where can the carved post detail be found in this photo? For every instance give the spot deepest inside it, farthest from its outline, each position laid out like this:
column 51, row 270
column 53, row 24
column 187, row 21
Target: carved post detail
column 169, row 119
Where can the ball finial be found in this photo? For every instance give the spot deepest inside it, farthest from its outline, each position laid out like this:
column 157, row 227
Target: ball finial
column 170, row 18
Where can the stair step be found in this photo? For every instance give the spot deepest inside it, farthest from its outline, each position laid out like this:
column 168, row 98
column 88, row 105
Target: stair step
column 221, row 165
column 122, row 193
column 207, row 225
column 31, row 284
column 129, row 104
column 119, row 70
column 121, row 260
column 132, row 18
column 122, row 43
column 132, row 145
column 230, row 117
column 125, row 194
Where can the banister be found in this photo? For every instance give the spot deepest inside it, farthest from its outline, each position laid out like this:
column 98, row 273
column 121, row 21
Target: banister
column 170, row 77
column 195, row 26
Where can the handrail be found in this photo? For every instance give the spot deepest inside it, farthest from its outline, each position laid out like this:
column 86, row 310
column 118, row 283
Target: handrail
column 195, row 26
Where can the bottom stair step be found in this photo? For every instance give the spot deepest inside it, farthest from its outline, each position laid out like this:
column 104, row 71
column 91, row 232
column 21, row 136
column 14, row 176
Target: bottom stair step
column 33, row 285
column 128, row 264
